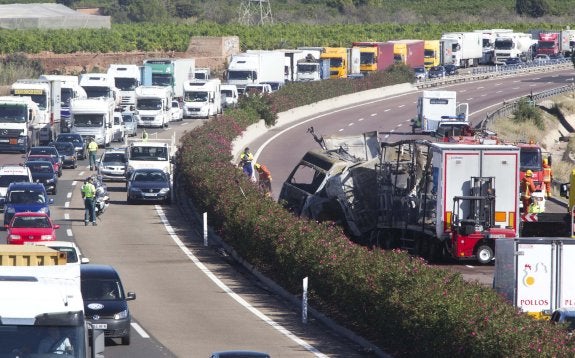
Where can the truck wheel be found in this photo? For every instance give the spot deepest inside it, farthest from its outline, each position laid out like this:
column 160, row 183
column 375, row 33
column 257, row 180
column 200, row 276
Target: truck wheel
column 484, row 254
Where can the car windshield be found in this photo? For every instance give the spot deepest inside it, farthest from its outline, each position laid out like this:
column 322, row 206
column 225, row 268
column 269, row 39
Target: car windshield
column 69, row 138
column 114, row 158
column 101, row 290
column 6, row 180
column 65, row 148
column 40, row 167
column 149, row 176
column 149, row 153
column 43, row 150
column 71, row 254
column 27, row 197
column 128, row 118
column 31, row 222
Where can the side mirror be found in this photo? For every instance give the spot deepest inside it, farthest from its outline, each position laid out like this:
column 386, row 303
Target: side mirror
column 56, row 226
column 50, row 201
column 84, row 260
column 130, row 296
column 564, row 190
column 109, row 125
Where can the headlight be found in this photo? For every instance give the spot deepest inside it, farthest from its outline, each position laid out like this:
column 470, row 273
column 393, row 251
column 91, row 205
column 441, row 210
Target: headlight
column 14, row 237
column 164, row 190
column 50, row 180
column 121, row 315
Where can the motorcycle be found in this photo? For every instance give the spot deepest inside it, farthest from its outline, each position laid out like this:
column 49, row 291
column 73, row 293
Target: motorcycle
column 102, row 199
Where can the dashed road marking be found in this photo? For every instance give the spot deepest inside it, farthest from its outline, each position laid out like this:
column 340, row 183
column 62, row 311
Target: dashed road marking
column 66, row 216
column 69, row 232
column 140, row 330
column 69, row 195
column 67, row 204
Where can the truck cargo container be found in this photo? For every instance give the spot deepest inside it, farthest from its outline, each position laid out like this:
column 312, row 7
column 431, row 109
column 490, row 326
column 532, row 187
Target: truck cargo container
column 126, row 78
column 374, row 56
column 437, row 107
column 513, row 45
column 409, row 52
column 432, row 53
column 462, row 49
column 338, row 61
column 69, row 88
column 255, row 67
column 312, row 67
column 93, row 118
column 171, row 72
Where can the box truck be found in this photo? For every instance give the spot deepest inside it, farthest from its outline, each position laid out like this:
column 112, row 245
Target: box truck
column 409, row 52
column 374, row 56
column 69, row 88
column 171, row 73
column 93, row 118
column 125, row 78
column 256, row 66
column 202, row 100
column 153, row 105
column 462, row 49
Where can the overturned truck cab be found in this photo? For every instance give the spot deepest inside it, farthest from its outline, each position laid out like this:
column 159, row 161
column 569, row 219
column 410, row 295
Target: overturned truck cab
column 437, row 200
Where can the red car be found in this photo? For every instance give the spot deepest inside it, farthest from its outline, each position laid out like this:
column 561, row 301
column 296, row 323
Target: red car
column 55, row 162
column 30, row 227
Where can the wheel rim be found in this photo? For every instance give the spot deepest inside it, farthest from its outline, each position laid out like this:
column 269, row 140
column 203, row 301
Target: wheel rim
column 485, row 255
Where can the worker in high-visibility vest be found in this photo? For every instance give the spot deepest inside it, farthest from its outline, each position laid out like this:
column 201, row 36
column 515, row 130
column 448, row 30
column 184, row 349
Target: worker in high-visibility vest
column 547, row 177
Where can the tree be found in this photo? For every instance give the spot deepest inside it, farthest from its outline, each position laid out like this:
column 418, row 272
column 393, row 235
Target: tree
column 532, row 8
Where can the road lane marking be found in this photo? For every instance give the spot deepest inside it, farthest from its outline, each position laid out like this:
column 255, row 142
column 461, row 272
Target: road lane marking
column 140, row 330
column 373, row 114
column 69, row 232
column 69, row 195
column 340, row 130
column 229, row 291
column 360, row 119
column 387, row 110
column 67, row 204
column 66, row 216
column 350, row 124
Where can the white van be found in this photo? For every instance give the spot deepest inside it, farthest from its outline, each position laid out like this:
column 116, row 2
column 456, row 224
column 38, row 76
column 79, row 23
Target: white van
column 229, row 96
column 12, row 174
column 150, row 154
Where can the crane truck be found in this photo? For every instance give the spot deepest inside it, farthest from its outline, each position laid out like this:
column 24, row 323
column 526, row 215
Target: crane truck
column 41, row 297
column 449, row 200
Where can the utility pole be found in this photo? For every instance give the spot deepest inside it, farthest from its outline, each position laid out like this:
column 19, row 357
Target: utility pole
column 255, row 12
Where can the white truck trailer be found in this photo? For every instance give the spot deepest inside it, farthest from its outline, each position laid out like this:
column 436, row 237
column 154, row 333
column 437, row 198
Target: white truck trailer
column 513, row 45
column 256, row 66
column 437, row 107
column 19, row 126
column 488, row 36
column 536, row 274
column 125, row 78
column 462, row 49
column 41, row 306
column 100, row 85
column 153, row 105
column 202, row 99
column 47, row 95
column 70, row 88
column 93, row 118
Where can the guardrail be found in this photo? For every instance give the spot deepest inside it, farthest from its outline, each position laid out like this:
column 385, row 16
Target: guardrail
column 488, row 72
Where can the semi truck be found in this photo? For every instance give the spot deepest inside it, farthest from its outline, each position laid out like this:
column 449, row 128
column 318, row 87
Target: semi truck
column 93, row 118
column 47, row 95
column 41, row 306
column 342, row 61
column 535, row 274
column 433, row 199
column 437, row 107
column 202, row 100
column 462, row 49
column 554, row 43
column 153, row 104
column 488, row 37
column 374, row 56
column 513, row 45
column 125, row 78
column 409, row 52
column 99, row 85
column 69, row 88
column 171, row 73
column 313, row 68
column 256, row 66
column 19, row 124
column 431, row 53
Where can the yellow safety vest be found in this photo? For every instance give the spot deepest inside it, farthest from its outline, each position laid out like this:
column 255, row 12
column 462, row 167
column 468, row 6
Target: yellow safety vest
column 547, row 175
column 88, row 190
column 93, row 146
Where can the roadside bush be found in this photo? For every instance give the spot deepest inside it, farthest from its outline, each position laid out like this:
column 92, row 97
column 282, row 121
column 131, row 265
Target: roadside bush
column 395, row 300
column 526, row 111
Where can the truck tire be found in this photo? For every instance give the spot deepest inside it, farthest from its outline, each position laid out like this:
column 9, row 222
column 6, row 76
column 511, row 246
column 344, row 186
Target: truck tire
column 484, row 254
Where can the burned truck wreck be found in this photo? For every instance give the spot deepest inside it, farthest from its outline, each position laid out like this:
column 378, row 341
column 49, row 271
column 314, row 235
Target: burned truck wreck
column 432, row 199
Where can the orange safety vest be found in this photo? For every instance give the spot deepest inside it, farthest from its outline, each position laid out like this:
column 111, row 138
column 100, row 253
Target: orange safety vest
column 547, row 174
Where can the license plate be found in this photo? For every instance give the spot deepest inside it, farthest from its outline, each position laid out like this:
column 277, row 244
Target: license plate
column 13, row 141
column 99, row 326
column 149, row 194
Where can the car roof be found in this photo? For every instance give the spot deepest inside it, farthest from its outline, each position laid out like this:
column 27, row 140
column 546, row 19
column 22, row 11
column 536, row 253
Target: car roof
column 24, row 185
column 239, row 354
column 98, row 271
column 30, row 214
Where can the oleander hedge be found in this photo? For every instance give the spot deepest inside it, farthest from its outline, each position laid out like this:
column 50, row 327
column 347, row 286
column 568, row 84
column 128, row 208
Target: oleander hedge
column 397, row 301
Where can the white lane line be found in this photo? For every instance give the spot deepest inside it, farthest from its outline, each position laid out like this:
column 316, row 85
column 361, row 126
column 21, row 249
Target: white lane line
column 391, row 131
column 360, row 119
column 66, row 216
column 401, row 106
column 373, row 115
column 340, row 130
column 469, row 266
column 532, row 85
column 67, row 204
column 69, row 232
column 350, row 124
column 387, row 110
column 184, row 124
column 69, row 195
column 480, row 87
column 140, row 330
column 399, row 125
column 229, row 291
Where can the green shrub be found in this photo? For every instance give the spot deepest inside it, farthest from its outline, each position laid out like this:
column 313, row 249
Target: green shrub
column 526, row 111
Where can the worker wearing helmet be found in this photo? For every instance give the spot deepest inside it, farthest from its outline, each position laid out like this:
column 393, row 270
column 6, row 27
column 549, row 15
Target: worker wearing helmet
column 527, row 188
column 547, row 177
column 264, row 177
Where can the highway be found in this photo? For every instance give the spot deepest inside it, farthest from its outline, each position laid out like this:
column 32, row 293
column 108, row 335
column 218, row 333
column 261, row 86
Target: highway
column 193, row 300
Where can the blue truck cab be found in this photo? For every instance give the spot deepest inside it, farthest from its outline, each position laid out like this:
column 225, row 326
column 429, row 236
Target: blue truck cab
column 22, row 197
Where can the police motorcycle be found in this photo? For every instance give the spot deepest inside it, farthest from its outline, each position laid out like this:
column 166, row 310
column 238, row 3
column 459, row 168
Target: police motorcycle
column 102, row 199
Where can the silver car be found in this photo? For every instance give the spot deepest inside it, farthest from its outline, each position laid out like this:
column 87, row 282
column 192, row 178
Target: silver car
column 130, row 123
column 112, row 165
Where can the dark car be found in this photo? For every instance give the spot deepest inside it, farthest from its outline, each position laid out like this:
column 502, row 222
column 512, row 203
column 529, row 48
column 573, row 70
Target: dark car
column 67, row 153
column 436, row 72
column 451, row 70
column 48, row 150
column 43, row 172
column 56, row 162
column 513, row 61
column 149, row 185
column 21, row 197
column 105, row 302
column 76, row 139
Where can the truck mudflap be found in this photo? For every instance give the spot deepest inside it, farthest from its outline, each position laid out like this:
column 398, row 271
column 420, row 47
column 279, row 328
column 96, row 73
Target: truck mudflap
column 546, row 225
